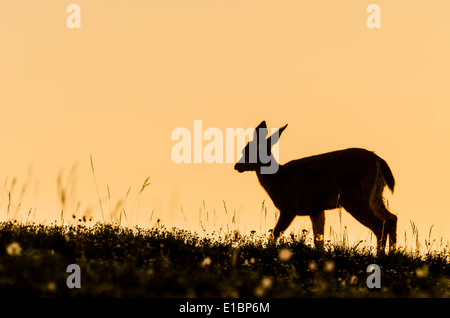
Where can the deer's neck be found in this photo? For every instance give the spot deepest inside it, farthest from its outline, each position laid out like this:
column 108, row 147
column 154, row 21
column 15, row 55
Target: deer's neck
column 266, row 179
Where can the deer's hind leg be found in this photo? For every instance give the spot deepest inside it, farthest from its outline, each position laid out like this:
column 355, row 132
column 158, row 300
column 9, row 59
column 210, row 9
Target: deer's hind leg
column 363, row 213
column 318, row 224
column 379, row 209
column 389, row 221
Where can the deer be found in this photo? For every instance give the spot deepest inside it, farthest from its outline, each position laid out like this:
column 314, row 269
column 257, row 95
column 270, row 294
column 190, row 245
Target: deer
column 353, row 179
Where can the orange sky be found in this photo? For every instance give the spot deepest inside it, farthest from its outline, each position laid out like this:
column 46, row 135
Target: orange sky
column 137, row 70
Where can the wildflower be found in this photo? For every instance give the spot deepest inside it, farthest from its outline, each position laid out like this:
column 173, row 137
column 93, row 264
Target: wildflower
column 206, row 261
column 328, row 266
column 263, row 287
column 312, row 266
column 51, row 286
column 284, row 254
column 266, row 282
column 14, row 249
column 422, row 272
column 319, row 237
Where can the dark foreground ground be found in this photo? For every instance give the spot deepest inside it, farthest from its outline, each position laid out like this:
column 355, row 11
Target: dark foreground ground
column 121, row 262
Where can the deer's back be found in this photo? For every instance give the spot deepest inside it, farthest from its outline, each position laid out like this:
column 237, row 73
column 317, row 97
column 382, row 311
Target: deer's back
column 345, row 160
column 316, row 182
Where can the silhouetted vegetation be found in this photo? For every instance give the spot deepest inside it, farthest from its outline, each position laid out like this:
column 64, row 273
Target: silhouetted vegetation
column 159, row 262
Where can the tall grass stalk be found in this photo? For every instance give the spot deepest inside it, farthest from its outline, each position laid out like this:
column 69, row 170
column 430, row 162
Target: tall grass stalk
column 96, row 188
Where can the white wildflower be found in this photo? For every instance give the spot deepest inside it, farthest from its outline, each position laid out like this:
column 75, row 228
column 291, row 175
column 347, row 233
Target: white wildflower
column 206, row 261
column 14, row 249
column 284, row 254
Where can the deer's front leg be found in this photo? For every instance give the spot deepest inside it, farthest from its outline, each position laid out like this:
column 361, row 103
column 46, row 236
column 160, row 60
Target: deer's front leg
column 284, row 221
column 318, row 224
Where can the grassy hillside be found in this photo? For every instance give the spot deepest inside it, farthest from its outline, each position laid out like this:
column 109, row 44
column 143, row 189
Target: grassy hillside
column 123, row 262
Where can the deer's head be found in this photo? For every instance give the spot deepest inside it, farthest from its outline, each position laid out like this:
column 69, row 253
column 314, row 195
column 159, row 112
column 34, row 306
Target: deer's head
column 257, row 154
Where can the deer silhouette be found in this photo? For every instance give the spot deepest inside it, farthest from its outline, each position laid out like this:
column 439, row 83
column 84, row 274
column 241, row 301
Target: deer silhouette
column 352, row 178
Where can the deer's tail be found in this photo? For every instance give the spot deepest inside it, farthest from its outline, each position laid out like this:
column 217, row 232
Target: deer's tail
column 387, row 174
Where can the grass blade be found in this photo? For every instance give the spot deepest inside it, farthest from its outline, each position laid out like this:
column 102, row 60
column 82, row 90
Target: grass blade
column 96, row 188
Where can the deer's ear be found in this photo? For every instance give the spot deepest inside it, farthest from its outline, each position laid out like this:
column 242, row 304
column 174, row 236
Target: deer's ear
column 262, row 128
column 262, row 125
column 281, row 130
column 276, row 136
